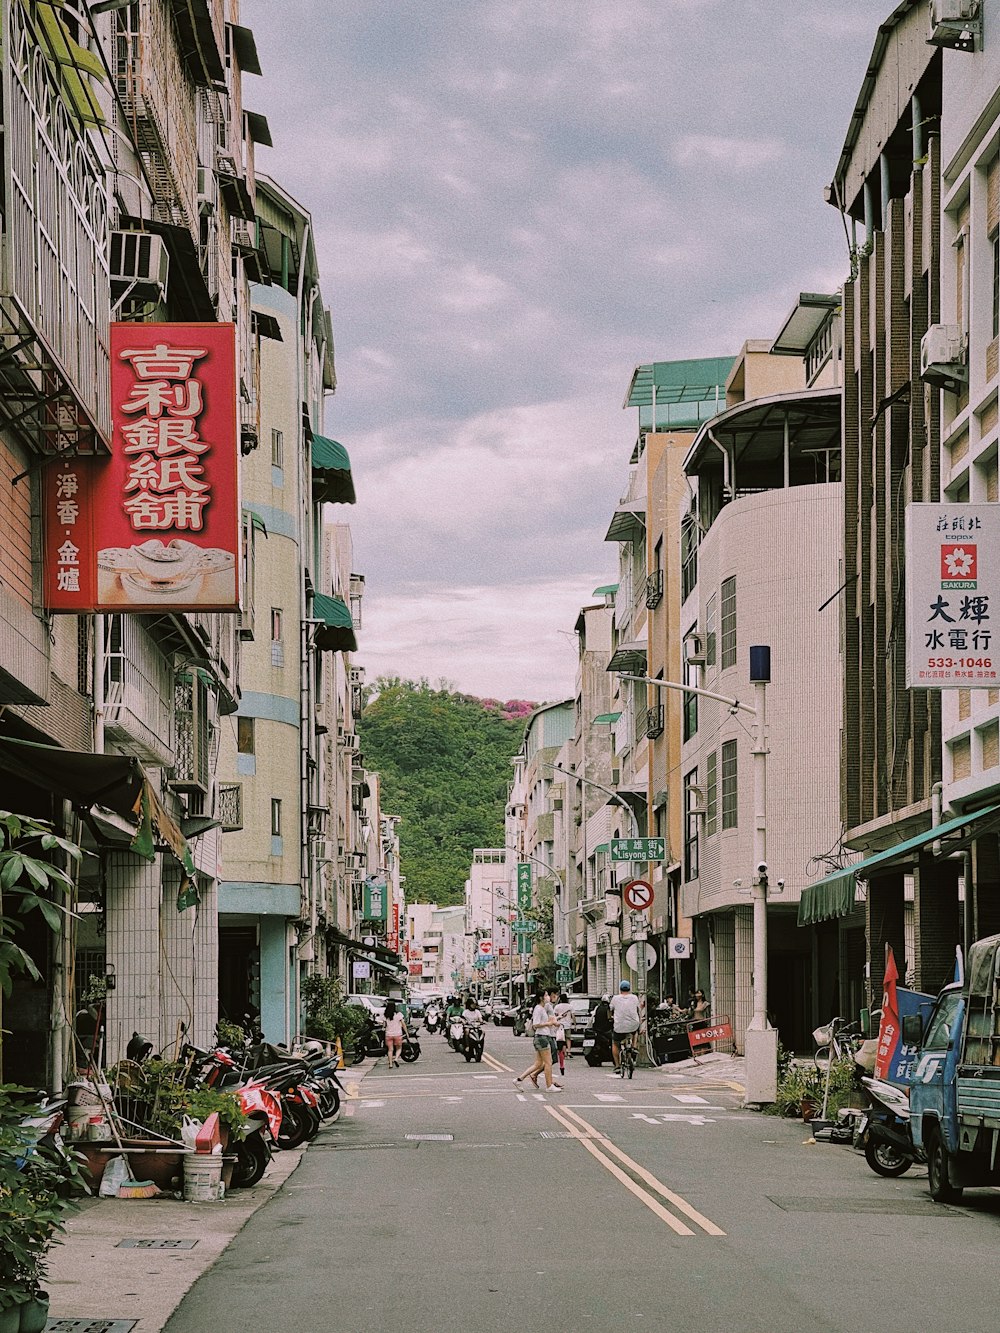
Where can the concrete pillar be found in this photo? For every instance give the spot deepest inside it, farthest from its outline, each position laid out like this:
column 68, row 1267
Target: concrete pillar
column 884, row 924
column 937, row 923
column 133, row 949
column 742, row 1003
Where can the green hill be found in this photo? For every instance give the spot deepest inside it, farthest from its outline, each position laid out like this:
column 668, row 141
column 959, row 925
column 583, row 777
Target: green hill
column 444, row 761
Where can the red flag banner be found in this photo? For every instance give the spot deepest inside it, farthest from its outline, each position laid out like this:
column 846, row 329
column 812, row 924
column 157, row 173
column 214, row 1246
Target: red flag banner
column 888, row 1030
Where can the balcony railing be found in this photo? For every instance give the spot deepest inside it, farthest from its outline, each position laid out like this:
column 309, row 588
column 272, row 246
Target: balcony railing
column 138, row 692
column 229, row 806
column 54, row 287
column 654, row 588
column 654, row 721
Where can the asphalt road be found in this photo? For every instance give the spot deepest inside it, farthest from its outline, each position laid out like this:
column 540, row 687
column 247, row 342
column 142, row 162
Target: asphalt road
column 451, row 1201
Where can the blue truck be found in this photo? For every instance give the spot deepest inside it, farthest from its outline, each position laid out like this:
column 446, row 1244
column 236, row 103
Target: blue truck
column 955, row 1085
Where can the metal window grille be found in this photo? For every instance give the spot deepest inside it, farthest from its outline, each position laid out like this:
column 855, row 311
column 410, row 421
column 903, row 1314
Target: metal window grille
column 711, row 794
column 729, row 789
column 728, row 645
column 229, row 806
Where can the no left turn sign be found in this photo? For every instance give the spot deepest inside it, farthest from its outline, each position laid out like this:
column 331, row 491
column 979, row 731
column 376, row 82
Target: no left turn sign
column 638, row 895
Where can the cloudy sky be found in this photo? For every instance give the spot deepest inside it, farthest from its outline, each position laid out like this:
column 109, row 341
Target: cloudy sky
column 516, row 202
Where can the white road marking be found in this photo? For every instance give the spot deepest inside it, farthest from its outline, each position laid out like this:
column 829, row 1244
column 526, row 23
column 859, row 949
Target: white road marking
column 608, row 1097
column 370, row 1106
column 650, row 1120
column 451, row 1099
column 690, row 1099
column 493, row 1076
column 666, row 1119
column 521, row 1097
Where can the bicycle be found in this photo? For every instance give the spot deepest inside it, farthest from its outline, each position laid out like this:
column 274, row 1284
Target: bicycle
column 836, row 1040
column 627, row 1055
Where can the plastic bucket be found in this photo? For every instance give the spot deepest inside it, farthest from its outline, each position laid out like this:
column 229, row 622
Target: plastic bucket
column 203, row 1177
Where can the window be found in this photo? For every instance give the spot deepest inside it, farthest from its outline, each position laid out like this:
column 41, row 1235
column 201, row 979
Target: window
column 711, row 795
column 277, row 448
column 729, row 793
column 275, row 817
column 727, row 649
column 711, row 628
column 690, row 826
column 996, row 285
column 690, row 700
column 275, row 624
column 689, row 556
column 244, row 735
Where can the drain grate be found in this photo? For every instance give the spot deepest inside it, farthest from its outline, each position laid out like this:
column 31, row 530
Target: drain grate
column 141, row 1243
column 907, row 1207
column 90, row 1325
column 356, row 1147
column 556, row 1134
column 431, row 1138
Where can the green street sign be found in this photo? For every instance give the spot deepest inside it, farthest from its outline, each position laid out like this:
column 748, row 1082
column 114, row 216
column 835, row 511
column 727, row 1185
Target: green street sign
column 375, row 894
column 564, row 975
column 562, row 958
column 524, row 927
column 523, row 886
column 638, row 849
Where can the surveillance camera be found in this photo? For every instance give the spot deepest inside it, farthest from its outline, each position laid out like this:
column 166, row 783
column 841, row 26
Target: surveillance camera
column 737, row 884
column 761, row 868
column 781, row 883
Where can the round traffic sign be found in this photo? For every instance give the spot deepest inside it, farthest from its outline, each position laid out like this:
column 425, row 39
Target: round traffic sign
column 632, row 956
column 638, row 895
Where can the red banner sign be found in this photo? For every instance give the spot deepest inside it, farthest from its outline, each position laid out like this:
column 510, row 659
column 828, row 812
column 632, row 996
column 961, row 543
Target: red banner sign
column 157, row 525
column 717, row 1032
column 392, row 935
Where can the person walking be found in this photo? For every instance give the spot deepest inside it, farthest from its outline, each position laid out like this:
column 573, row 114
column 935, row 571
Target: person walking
column 563, row 1011
column 625, row 1019
column 395, row 1031
column 543, row 1024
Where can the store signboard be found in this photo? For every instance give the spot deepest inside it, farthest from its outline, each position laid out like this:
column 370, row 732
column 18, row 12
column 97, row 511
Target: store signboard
column 952, row 595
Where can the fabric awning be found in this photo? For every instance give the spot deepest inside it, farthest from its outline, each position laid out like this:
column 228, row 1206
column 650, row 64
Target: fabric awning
column 629, row 658
column 331, row 472
column 833, row 896
column 116, row 782
column 336, row 633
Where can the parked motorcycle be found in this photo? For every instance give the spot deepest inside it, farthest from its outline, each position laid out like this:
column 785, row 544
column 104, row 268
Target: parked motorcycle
column 596, row 1047
column 473, row 1042
column 411, row 1049
column 369, row 1039
column 883, row 1133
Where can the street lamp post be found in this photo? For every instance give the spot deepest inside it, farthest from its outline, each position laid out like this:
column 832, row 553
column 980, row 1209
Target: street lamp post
column 636, row 923
column 761, row 1041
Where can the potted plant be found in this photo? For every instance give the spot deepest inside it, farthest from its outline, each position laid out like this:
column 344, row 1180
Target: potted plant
column 34, row 1202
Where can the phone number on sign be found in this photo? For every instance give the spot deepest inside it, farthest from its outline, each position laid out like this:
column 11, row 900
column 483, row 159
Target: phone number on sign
column 960, row 661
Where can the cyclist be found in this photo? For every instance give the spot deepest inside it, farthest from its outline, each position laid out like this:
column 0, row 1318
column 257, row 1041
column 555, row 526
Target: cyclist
column 625, row 1017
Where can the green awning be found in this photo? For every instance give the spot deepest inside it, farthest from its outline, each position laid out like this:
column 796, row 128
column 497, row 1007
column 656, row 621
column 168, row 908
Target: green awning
column 336, row 634
column 605, row 590
column 331, row 472
column 629, row 658
column 628, row 523
column 607, row 717
column 833, row 896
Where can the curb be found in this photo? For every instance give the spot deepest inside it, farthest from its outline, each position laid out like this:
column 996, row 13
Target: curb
column 91, row 1278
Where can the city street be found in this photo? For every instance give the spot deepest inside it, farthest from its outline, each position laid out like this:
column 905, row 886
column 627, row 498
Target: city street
column 449, row 1198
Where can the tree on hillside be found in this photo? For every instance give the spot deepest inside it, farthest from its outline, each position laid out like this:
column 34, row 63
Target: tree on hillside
column 444, row 760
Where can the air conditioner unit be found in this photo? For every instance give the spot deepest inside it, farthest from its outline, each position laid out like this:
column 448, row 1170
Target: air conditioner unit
column 694, row 650
column 139, row 266
column 350, row 739
column 696, row 801
column 956, row 24
column 357, row 675
column 943, row 357
column 208, row 190
column 324, row 850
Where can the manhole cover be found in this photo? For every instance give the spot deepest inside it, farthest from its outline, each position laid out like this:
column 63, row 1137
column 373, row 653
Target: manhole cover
column 431, row 1138
column 90, row 1325
column 907, row 1207
column 141, row 1243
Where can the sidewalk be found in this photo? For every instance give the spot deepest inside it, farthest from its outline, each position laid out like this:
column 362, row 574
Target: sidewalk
column 91, row 1278
column 713, row 1067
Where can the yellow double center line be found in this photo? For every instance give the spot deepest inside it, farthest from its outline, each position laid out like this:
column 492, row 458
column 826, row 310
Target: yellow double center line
column 496, row 1064
column 599, row 1146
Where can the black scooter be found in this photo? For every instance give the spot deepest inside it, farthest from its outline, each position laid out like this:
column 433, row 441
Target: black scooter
column 473, row 1042
column 596, row 1047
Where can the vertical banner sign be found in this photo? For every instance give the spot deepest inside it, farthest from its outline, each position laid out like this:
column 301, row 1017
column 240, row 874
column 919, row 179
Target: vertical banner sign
column 374, row 899
column 889, row 1029
column 952, row 595
column 392, row 935
column 523, row 885
column 157, row 525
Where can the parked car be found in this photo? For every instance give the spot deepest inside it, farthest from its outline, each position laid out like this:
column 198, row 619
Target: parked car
column 375, row 1004
column 583, row 1007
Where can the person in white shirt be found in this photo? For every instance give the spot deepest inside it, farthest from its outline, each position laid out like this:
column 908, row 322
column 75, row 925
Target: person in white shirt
column 543, row 1023
column 626, row 1020
column 564, row 1015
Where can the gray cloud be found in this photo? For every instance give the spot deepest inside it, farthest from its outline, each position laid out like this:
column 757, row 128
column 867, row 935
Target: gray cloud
column 514, row 204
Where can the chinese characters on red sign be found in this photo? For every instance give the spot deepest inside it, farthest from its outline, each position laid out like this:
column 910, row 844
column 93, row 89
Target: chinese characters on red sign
column 952, row 584
column 157, row 524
